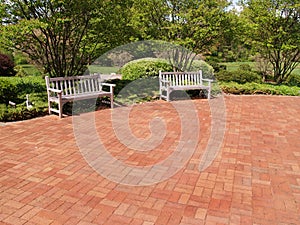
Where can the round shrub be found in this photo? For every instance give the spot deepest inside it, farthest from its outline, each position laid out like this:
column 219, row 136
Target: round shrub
column 294, row 80
column 6, row 66
column 246, row 76
column 239, row 76
column 207, row 70
column 144, row 68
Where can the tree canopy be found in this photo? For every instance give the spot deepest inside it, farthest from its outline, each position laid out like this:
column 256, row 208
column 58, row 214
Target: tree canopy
column 274, row 30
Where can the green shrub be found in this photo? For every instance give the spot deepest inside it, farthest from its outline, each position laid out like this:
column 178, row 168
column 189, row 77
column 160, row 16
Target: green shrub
column 15, row 89
column 128, row 92
column 207, row 70
column 8, row 113
column 20, row 72
column 144, row 68
column 20, row 59
column 7, row 92
column 240, row 76
column 294, row 80
column 255, row 88
column 245, row 67
column 217, row 67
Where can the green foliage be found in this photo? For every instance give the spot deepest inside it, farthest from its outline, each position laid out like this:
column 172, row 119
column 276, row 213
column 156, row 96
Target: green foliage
column 207, row 70
column 274, row 29
column 217, row 67
column 243, row 75
column 19, row 59
column 15, row 89
column 182, row 22
column 294, row 80
column 31, row 70
column 7, row 91
column 6, row 65
column 128, row 92
column 144, row 68
column 8, row 113
column 20, row 72
column 62, row 37
column 255, row 88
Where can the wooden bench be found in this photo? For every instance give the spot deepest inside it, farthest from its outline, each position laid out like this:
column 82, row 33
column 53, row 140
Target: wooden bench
column 67, row 89
column 172, row 81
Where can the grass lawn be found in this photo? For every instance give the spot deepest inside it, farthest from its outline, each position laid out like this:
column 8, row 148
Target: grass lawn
column 31, row 70
column 103, row 69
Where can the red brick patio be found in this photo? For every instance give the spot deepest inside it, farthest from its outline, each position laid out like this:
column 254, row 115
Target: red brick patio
column 255, row 178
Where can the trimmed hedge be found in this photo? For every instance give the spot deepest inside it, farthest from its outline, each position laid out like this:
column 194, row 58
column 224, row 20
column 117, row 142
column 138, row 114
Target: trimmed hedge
column 243, row 75
column 7, row 91
column 15, row 89
column 144, row 68
column 255, row 88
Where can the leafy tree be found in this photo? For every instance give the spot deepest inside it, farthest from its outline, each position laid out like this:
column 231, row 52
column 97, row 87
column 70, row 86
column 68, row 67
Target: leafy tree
column 232, row 44
column 193, row 24
column 275, row 33
column 63, row 36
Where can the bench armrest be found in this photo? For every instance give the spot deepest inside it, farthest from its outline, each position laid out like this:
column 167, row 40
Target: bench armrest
column 54, row 90
column 107, row 84
column 209, row 80
column 111, row 86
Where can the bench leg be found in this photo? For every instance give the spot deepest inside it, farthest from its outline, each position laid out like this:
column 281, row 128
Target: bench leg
column 49, row 107
column 60, row 110
column 112, row 101
column 60, row 107
column 168, row 95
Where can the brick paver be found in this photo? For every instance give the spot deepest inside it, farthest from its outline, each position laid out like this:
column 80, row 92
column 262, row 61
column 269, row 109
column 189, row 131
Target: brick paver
column 254, row 179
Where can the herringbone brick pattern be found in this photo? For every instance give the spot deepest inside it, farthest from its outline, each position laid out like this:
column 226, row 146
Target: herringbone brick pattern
column 255, row 178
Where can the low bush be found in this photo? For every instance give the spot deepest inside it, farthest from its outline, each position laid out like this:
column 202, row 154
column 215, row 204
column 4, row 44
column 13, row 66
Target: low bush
column 240, row 76
column 8, row 113
column 255, row 88
column 293, row 80
column 207, row 70
column 144, row 68
column 15, row 89
column 7, row 91
column 20, row 59
column 20, row 72
column 129, row 92
column 217, row 67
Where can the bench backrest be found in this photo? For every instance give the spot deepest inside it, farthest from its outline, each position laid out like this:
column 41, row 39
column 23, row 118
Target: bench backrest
column 75, row 84
column 182, row 78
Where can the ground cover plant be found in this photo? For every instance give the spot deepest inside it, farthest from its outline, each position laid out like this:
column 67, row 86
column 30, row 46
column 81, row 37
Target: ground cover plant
column 13, row 90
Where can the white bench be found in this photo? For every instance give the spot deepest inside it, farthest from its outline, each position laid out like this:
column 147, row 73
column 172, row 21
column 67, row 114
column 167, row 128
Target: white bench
column 61, row 90
column 172, row 81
